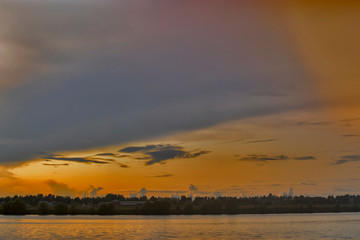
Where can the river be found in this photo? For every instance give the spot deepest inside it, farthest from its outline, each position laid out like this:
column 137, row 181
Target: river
column 272, row 226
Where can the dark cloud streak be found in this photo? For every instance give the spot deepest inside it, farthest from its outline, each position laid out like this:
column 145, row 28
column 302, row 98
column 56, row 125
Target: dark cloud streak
column 161, row 153
column 347, row 159
column 78, row 160
column 56, row 164
column 263, row 141
column 304, row 158
column 350, row 119
column 263, row 158
column 306, row 123
column 107, row 154
column 269, row 158
column 164, row 175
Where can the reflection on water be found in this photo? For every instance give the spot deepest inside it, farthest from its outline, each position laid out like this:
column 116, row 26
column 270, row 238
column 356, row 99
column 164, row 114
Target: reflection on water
column 287, row 226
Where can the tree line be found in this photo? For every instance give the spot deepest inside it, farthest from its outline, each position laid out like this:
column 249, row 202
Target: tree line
column 115, row 204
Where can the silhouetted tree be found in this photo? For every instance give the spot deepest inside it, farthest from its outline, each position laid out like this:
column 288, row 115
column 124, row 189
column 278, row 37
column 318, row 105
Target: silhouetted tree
column 146, row 209
column 43, row 208
column 215, row 206
column 205, row 209
column 61, row 208
column 178, row 209
column 106, row 209
column 185, row 205
column 73, row 209
column 15, row 207
column 189, row 209
column 161, row 207
column 231, row 206
column 355, row 208
column 7, row 208
column 92, row 210
column 309, row 208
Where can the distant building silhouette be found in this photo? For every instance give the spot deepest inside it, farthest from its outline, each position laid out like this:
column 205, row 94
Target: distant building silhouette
column 291, row 193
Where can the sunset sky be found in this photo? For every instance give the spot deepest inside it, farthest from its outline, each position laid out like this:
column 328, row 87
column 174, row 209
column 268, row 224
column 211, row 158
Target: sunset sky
column 158, row 97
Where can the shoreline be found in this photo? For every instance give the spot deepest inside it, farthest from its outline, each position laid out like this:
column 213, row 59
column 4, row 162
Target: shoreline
column 173, row 214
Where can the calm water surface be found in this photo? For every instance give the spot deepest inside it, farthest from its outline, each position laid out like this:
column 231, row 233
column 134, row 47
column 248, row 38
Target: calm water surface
column 287, row 226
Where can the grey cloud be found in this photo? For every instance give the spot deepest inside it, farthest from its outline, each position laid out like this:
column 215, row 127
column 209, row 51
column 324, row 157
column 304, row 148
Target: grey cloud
column 161, row 153
column 123, row 165
column 309, row 183
column 86, row 160
column 114, row 72
column 304, row 158
column 192, row 188
column 142, row 192
column 350, row 135
column 346, row 189
column 348, row 158
column 92, row 191
column 341, row 161
column 79, row 160
column 350, row 180
column 266, row 158
column 106, row 154
column 263, row 158
column 350, row 119
column 142, row 158
column 306, row 123
column 56, row 164
column 139, row 149
column 60, row 188
column 235, row 140
column 217, row 194
column 164, row 175
column 263, row 141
